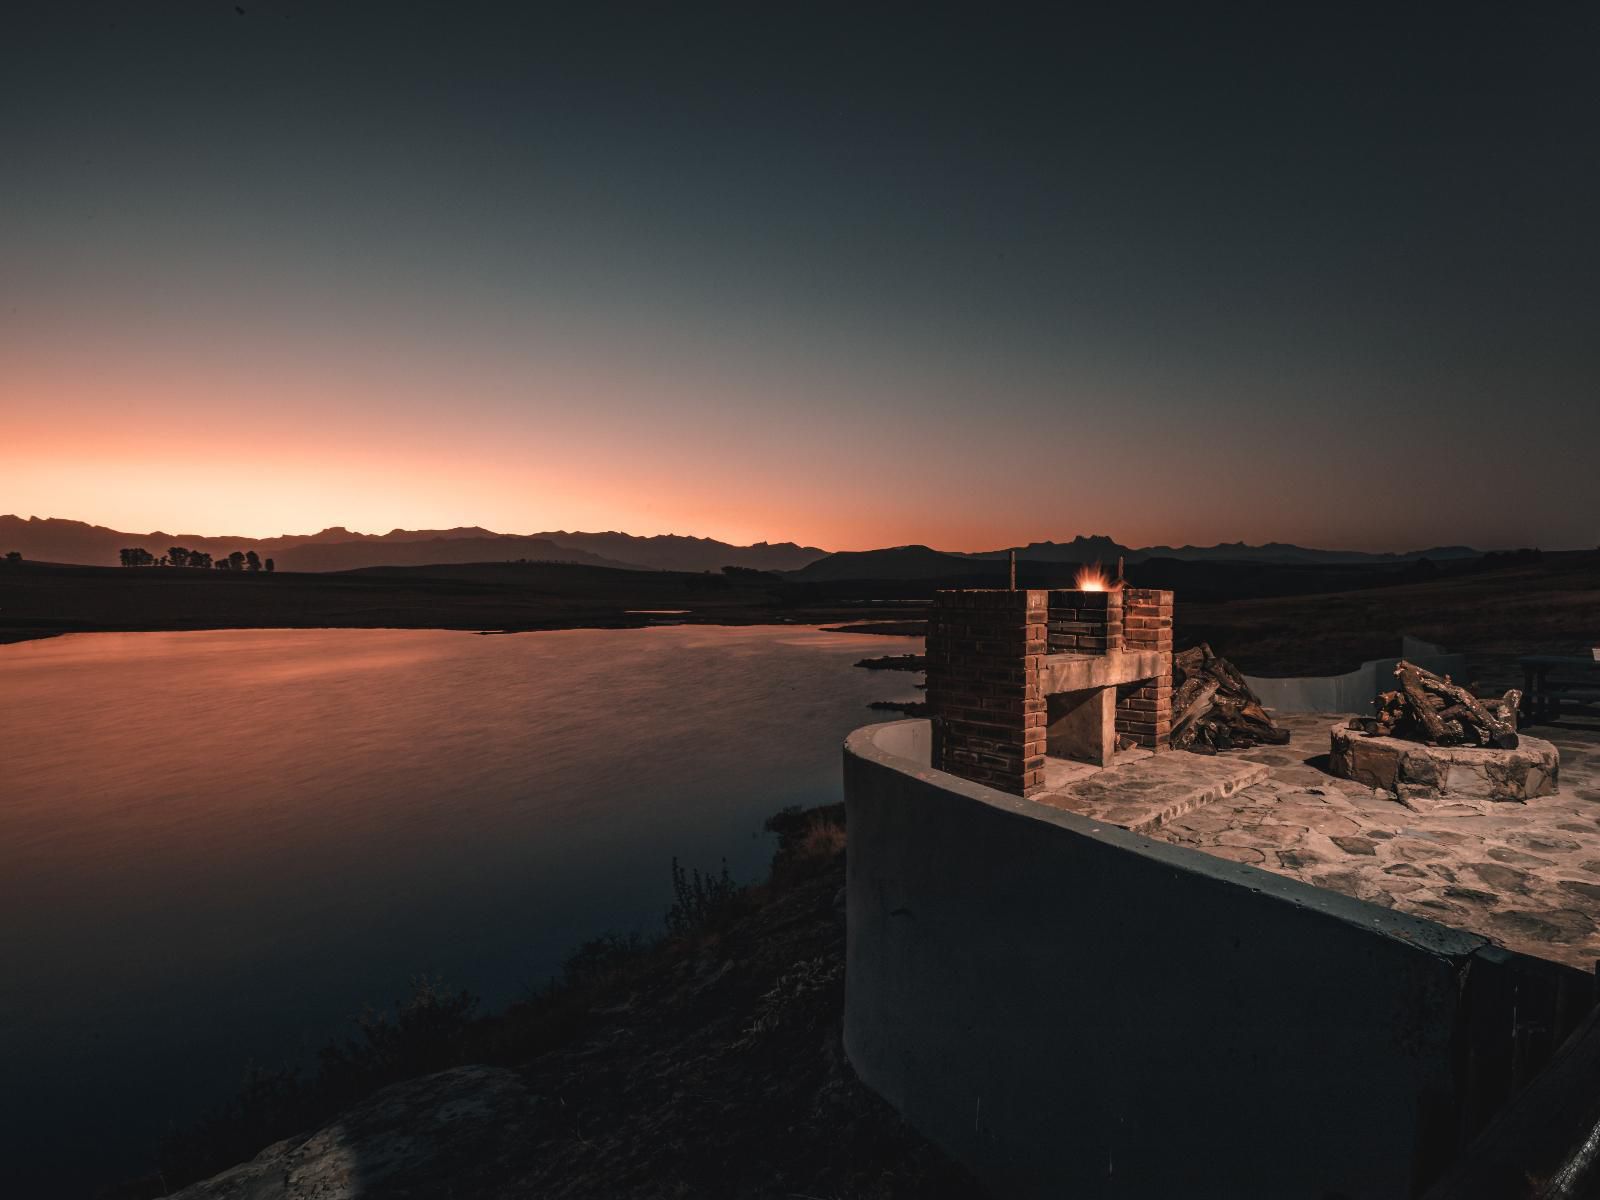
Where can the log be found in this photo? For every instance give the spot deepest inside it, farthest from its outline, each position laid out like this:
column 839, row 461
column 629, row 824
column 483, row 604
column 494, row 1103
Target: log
column 1422, row 709
column 1192, row 702
column 1431, row 708
column 1491, row 729
column 1508, row 708
column 1216, row 710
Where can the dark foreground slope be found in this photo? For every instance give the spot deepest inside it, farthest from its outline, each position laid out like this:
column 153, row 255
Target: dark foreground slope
column 709, row 1064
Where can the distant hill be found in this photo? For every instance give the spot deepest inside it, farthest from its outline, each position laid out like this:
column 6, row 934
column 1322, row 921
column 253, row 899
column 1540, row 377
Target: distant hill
column 350, row 556
column 900, row 562
column 674, row 552
column 922, row 562
column 51, row 539
column 1100, row 548
column 1283, row 552
column 339, row 549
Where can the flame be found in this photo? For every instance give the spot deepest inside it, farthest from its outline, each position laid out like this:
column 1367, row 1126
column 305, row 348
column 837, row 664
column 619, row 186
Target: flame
column 1092, row 578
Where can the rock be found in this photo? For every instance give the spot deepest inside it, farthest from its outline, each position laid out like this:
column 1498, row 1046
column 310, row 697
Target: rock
column 1406, row 871
column 1416, row 773
column 1536, row 927
column 431, row 1136
column 1399, row 887
column 1410, row 849
column 1501, row 878
column 1545, row 843
column 1471, row 895
column 1239, row 854
column 1356, row 845
column 1297, row 860
column 1505, row 855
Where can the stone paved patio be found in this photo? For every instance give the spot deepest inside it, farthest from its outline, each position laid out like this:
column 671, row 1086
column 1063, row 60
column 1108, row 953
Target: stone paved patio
column 1140, row 790
column 1525, row 875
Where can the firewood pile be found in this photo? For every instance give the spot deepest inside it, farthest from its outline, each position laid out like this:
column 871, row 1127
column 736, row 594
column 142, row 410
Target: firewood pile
column 1429, row 708
column 1213, row 707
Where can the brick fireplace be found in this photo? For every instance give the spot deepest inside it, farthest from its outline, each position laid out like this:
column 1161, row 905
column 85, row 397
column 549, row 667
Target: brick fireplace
column 1015, row 676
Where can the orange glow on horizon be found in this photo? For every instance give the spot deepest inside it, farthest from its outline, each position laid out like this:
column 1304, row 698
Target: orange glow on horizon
column 141, row 436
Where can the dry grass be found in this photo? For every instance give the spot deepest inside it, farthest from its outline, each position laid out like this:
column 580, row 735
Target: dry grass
column 822, row 841
column 1548, row 606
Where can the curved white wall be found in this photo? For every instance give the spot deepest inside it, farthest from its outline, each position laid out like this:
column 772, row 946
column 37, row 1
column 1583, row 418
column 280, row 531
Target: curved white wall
column 1352, row 692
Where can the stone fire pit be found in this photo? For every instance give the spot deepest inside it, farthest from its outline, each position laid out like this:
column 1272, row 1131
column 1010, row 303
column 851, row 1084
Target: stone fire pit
column 1416, row 770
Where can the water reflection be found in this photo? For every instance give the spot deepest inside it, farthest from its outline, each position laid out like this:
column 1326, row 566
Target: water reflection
column 214, row 847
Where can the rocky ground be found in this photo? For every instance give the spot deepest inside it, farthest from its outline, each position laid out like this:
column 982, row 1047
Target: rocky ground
column 718, row 1071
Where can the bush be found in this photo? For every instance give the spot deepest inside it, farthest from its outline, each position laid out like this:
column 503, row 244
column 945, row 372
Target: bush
column 703, row 902
column 424, row 1035
column 809, row 840
column 602, row 960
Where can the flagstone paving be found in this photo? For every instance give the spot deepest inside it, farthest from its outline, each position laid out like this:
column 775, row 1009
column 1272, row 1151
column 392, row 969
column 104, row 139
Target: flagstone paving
column 1526, row 876
column 1140, row 790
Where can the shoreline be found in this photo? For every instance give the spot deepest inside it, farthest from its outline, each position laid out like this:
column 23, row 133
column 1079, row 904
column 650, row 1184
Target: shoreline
column 45, row 600
column 823, row 624
column 739, row 993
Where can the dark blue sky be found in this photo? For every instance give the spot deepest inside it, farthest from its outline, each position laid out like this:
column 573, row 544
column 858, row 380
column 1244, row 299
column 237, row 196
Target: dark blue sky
column 852, row 277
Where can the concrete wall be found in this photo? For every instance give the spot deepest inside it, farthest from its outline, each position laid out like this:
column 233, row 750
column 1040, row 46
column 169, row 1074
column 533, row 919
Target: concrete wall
column 1353, row 691
column 1073, row 1010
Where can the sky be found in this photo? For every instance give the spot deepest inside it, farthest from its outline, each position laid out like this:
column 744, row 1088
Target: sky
column 848, row 275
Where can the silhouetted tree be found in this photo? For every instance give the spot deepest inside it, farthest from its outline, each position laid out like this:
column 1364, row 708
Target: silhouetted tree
column 15, row 556
column 178, row 556
column 137, row 557
column 236, row 561
column 201, row 559
column 253, row 559
column 268, row 565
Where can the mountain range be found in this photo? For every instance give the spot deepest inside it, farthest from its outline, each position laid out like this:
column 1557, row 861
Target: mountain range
column 340, row 549
column 1103, row 549
column 52, row 539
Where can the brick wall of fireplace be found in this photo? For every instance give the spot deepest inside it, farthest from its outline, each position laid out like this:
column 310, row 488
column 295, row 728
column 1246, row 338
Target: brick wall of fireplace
column 997, row 716
column 1144, row 710
column 984, row 650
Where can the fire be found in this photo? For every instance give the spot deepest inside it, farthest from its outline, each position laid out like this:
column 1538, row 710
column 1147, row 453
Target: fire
column 1092, row 578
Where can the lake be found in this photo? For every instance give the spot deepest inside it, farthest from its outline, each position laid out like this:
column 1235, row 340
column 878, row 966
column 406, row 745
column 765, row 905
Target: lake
column 218, row 847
